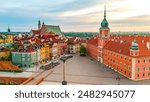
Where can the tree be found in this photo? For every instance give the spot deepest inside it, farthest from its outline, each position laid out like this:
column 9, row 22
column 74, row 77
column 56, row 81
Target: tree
column 2, row 58
column 15, row 46
column 9, row 58
column 82, row 50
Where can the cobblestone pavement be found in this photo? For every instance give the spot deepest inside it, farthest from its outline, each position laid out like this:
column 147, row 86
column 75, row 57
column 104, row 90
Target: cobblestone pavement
column 85, row 70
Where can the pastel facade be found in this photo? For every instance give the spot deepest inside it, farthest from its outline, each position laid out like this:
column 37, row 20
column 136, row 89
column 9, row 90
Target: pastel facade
column 74, row 44
column 4, row 53
column 54, row 51
column 2, row 39
column 24, row 60
column 45, row 53
column 26, row 56
column 9, row 38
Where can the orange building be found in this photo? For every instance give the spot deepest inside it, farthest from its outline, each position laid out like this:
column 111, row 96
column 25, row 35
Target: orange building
column 92, row 47
column 127, row 54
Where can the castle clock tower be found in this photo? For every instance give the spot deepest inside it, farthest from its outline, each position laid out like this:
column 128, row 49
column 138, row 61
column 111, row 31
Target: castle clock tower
column 104, row 34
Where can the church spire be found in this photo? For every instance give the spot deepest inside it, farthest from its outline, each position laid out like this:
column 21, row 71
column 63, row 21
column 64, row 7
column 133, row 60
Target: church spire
column 105, row 11
column 8, row 30
column 104, row 23
column 39, row 25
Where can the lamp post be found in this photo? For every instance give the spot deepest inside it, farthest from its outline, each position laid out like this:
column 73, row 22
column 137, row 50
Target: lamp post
column 64, row 58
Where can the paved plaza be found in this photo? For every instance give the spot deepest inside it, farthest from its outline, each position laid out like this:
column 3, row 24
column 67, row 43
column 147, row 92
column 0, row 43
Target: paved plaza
column 85, row 70
column 79, row 71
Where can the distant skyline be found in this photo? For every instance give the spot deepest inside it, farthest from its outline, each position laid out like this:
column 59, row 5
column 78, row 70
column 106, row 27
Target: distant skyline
column 75, row 15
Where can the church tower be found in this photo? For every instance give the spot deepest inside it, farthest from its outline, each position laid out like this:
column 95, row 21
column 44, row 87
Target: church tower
column 39, row 25
column 104, row 34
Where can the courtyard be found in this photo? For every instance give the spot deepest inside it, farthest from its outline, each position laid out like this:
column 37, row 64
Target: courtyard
column 87, row 71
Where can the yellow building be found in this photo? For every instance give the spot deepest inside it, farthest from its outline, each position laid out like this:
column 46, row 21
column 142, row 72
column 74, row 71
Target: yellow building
column 45, row 53
column 9, row 38
column 4, row 53
column 2, row 39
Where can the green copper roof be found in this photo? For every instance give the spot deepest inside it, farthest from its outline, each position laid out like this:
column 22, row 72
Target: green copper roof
column 134, row 45
column 54, row 29
column 104, row 23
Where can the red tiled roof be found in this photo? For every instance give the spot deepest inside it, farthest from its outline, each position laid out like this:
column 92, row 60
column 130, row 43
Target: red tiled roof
column 76, row 40
column 36, row 31
column 30, row 48
column 93, row 41
column 38, row 41
column 122, row 45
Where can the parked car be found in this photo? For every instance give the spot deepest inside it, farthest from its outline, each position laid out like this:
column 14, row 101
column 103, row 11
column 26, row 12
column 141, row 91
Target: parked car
column 69, row 56
column 55, row 62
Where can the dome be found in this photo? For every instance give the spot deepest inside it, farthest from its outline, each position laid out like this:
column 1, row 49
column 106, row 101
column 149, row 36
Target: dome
column 135, row 45
column 104, row 23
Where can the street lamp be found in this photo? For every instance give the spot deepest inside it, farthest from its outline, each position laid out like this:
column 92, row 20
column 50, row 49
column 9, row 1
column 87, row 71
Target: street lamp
column 64, row 58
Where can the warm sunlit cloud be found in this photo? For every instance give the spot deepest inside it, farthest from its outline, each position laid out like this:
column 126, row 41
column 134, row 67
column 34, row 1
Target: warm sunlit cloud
column 76, row 15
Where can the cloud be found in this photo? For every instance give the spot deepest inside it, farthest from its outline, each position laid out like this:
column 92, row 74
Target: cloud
column 78, row 14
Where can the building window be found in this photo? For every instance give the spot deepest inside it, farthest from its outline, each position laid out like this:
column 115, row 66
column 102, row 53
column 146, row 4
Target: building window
column 129, row 67
column 143, row 74
column 121, row 63
column 125, row 58
column 149, row 68
column 138, row 69
column 23, row 59
column 124, row 65
column 143, row 68
column 129, row 74
column 148, row 74
column 138, row 75
column 144, row 60
column 138, row 61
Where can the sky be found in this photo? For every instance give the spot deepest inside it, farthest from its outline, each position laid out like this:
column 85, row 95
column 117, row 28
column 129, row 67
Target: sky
column 75, row 15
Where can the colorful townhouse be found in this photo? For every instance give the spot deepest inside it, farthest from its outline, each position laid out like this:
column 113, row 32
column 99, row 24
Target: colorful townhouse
column 51, row 34
column 128, row 55
column 25, row 57
column 7, row 37
column 2, row 39
column 45, row 53
column 74, row 44
column 4, row 53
